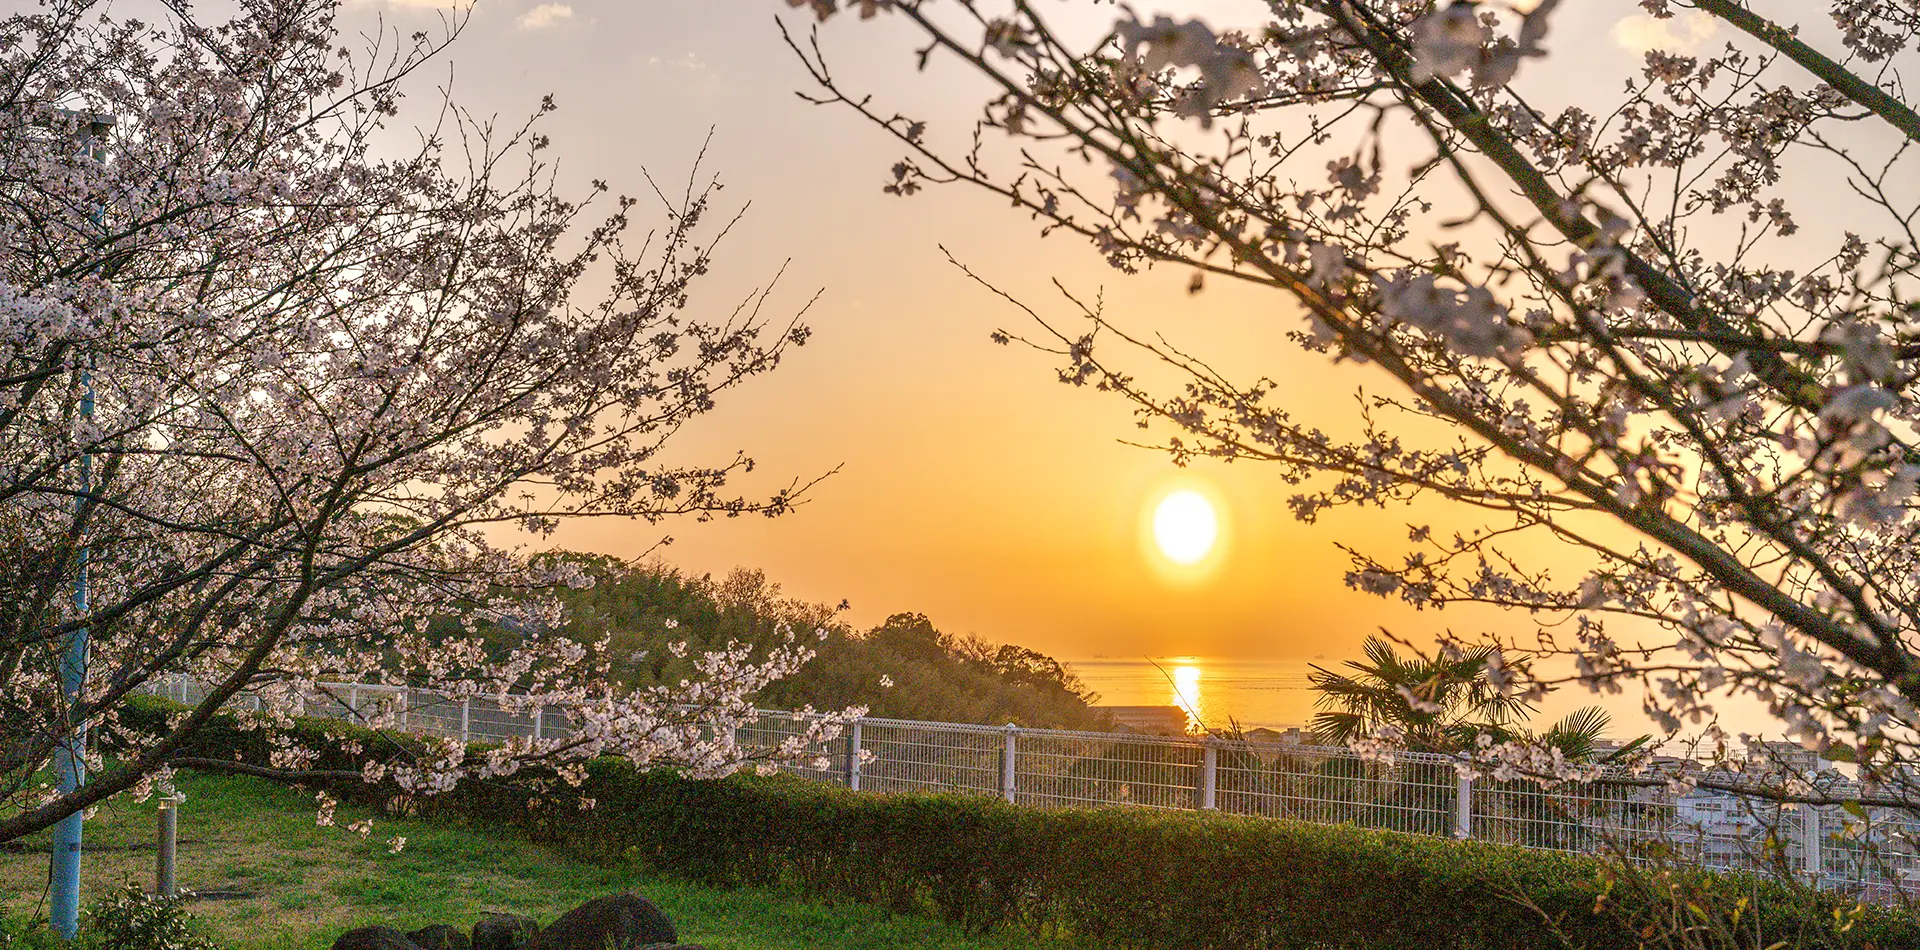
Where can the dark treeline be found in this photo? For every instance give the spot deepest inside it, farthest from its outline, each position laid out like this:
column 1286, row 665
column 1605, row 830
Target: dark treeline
column 642, row 611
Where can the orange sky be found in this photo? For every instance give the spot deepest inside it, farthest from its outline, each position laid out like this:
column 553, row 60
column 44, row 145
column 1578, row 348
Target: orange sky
column 972, row 486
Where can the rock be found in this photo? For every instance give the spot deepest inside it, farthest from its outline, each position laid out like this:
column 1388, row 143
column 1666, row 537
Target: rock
column 440, row 937
column 624, row 921
column 504, row 932
column 374, row 938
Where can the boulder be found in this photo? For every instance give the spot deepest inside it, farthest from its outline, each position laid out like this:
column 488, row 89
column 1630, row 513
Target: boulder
column 440, row 937
column 374, row 938
column 624, row 921
column 504, row 932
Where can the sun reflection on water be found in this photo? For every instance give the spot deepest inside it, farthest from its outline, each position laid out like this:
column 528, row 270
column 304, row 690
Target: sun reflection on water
column 1186, row 693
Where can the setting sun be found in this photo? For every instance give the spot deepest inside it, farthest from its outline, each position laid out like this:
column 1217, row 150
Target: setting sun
column 1185, row 526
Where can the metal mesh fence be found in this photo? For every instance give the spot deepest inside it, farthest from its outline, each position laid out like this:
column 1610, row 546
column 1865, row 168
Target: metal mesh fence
column 1574, row 818
column 910, row 759
column 1871, row 851
column 1059, row 769
column 1414, row 793
column 781, row 738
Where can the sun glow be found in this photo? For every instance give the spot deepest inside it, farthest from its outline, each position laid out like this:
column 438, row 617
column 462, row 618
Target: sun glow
column 1186, row 688
column 1185, row 527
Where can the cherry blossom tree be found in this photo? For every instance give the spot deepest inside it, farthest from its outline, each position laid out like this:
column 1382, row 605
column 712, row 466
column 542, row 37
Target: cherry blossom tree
column 283, row 400
column 1666, row 330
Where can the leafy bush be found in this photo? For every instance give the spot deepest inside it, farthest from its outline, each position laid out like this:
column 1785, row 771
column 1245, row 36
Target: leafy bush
column 126, row 919
column 132, row 919
column 1137, row 877
column 1129, row 877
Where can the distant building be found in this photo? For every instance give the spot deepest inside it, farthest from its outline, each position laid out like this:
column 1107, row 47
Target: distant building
column 1789, row 756
column 1718, row 829
column 1148, row 720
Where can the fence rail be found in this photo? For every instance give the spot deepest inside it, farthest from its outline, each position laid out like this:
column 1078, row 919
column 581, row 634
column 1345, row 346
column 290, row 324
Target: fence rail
column 1873, row 852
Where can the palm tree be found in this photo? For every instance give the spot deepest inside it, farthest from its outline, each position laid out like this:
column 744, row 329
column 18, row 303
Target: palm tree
column 1577, row 736
column 1439, row 705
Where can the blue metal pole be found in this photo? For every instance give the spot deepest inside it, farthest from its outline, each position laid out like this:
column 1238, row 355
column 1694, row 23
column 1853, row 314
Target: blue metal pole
column 69, row 758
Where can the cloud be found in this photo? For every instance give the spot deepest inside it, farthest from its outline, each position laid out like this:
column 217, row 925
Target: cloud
column 1681, row 33
column 690, row 62
column 545, row 15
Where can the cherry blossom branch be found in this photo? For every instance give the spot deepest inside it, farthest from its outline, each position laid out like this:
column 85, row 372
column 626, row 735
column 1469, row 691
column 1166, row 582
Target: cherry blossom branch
column 1872, row 97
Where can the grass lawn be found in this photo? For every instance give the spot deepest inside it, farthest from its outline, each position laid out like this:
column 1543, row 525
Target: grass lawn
column 307, row 884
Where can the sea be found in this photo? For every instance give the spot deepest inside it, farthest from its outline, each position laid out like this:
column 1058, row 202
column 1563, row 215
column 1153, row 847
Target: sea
column 1215, row 691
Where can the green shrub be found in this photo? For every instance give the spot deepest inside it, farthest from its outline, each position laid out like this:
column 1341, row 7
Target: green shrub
column 1128, row 877
column 126, row 919
column 132, row 919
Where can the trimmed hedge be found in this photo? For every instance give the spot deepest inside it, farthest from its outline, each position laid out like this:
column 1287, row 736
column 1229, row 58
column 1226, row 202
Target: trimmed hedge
column 1120, row 876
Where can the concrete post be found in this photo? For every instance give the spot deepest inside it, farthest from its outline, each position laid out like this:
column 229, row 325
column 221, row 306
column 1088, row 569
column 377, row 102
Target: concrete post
column 165, row 883
column 1007, row 770
column 853, row 756
column 466, row 717
column 1463, row 808
column 537, row 710
column 1209, row 773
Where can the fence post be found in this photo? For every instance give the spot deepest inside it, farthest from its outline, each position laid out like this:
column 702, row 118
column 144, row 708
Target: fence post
column 537, row 711
column 853, row 756
column 406, row 708
column 1810, row 841
column 353, row 703
column 1209, row 772
column 164, row 881
column 1007, row 771
column 466, row 716
column 1463, row 807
